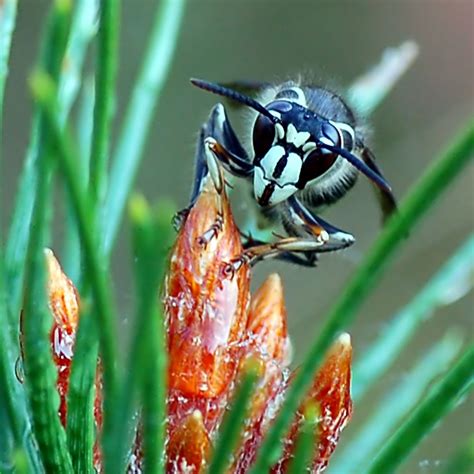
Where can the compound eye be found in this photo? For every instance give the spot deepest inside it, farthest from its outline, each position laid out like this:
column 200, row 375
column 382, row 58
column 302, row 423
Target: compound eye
column 316, row 164
column 330, row 135
column 263, row 135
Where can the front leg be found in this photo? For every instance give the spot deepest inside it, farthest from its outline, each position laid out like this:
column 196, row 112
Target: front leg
column 305, row 259
column 218, row 137
column 300, row 221
column 309, row 235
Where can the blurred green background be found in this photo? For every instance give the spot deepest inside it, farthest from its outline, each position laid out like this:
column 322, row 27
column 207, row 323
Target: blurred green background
column 331, row 42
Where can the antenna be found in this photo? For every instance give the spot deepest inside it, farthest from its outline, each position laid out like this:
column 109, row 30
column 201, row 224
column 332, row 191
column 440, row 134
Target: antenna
column 234, row 95
column 360, row 165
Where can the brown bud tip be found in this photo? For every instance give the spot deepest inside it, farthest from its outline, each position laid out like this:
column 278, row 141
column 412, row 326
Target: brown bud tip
column 331, row 390
column 267, row 329
column 62, row 294
column 330, row 394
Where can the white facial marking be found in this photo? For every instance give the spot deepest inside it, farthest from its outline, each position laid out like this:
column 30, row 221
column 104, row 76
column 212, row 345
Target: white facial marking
column 295, row 137
column 283, row 187
column 291, row 133
column 291, row 172
column 280, row 130
column 271, row 159
column 280, row 194
column 310, row 146
column 301, row 138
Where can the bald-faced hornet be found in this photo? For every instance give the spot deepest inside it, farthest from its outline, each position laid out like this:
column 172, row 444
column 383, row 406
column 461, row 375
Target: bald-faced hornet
column 307, row 149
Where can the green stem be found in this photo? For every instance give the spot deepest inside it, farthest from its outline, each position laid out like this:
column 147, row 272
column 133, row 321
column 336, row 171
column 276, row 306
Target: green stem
column 83, row 29
column 422, row 197
column 37, row 322
column 53, row 47
column 233, row 422
column 81, row 391
column 107, row 63
column 305, row 442
column 8, row 382
column 136, row 125
column 456, row 274
column 441, row 400
column 94, row 273
column 7, row 26
column 146, row 371
column 400, row 400
column 39, row 369
column 42, row 390
column 72, row 245
column 154, row 395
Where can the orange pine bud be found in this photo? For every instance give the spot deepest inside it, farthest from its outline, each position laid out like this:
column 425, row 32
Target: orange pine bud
column 64, row 306
column 64, row 303
column 206, row 309
column 331, row 393
column 267, row 339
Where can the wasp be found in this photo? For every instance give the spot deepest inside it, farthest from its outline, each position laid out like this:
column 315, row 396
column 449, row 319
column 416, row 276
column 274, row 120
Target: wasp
column 307, row 148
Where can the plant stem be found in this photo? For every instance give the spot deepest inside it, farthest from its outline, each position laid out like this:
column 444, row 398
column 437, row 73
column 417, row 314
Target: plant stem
column 53, row 46
column 422, row 420
column 80, row 401
column 107, row 64
column 7, row 26
column 399, row 401
column 146, row 372
column 233, row 422
column 454, row 278
column 95, row 272
column 306, row 441
column 39, row 368
column 136, row 125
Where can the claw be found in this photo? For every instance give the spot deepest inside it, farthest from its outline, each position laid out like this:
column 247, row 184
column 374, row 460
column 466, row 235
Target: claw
column 231, row 268
column 179, row 218
column 212, row 232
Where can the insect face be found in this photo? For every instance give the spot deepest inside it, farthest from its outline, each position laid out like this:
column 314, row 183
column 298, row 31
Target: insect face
column 291, row 152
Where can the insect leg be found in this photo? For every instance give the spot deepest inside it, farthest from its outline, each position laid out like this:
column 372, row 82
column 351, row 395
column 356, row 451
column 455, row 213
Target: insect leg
column 283, row 248
column 216, row 136
column 218, row 128
column 304, row 260
column 300, row 221
column 200, row 172
column 309, row 235
column 231, row 162
column 222, row 140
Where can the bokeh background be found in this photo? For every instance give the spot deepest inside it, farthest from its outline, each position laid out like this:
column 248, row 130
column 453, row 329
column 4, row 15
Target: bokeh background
column 332, row 42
